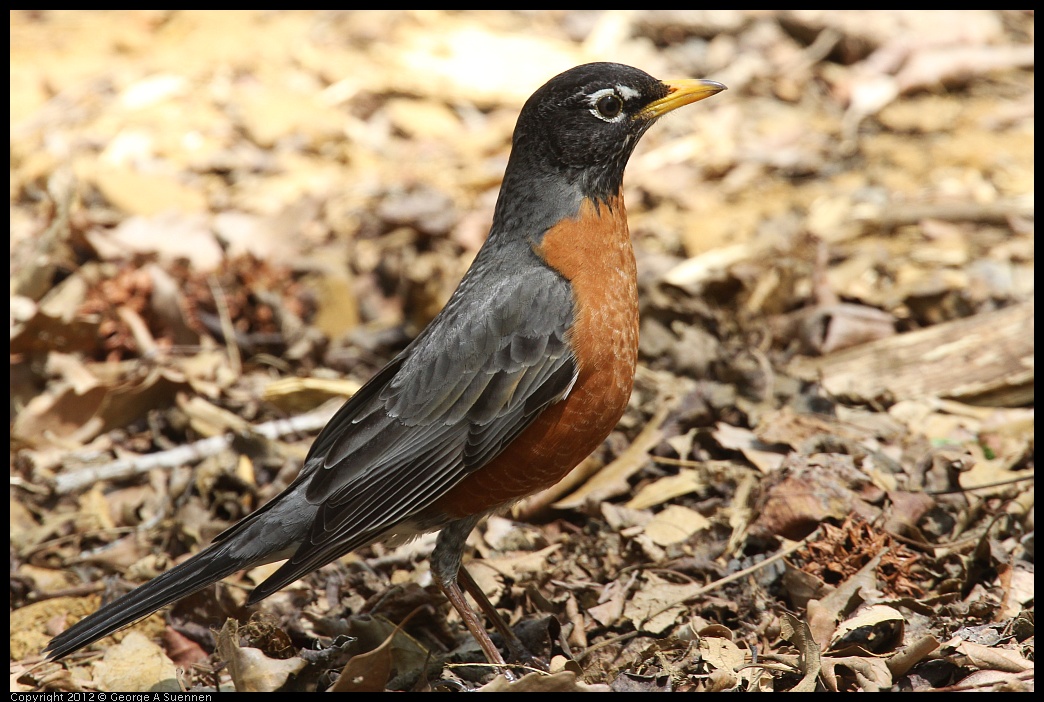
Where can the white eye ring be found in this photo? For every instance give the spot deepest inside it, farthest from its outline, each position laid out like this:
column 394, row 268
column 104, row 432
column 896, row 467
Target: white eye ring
column 598, row 102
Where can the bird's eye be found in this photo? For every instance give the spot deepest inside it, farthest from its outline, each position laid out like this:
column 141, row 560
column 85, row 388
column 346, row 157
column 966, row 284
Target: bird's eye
column 609, row 106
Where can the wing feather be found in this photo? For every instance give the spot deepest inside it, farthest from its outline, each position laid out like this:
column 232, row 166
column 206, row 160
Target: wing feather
column 452, row 401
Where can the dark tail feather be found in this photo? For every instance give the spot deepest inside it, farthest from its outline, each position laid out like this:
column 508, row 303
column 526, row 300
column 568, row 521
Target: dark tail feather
column 201, row 570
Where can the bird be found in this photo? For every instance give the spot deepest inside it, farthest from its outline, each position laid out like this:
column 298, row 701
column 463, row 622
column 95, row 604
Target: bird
column 522, row 375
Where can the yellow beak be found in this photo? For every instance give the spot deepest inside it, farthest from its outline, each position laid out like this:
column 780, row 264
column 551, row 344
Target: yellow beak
column 679, row 93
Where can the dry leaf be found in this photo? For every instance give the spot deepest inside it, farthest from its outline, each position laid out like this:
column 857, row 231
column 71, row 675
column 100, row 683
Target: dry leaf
column 518, row 567
column 684, row 482
column 877, row 629
column 250, row 668
column 824, row 613
column 566, row 681
column 658, row 604
column 993, row 658
column 136, row 664
column 675, row 524
column 798, row 633
column 722, row 654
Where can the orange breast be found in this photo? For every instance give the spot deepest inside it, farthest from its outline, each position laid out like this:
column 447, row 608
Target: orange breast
column 594, row 253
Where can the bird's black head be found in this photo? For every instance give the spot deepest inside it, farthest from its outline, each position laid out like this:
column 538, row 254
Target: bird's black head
column 584, row 123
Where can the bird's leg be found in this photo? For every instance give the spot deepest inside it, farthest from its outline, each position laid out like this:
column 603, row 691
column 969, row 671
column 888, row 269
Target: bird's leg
column 445, row 567
column 519, row 652
column 471, row 619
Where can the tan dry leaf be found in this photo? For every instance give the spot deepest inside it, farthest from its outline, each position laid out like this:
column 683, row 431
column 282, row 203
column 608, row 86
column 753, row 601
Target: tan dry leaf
column 373, row 632
column 46, row 579
column 33, row 330
column 693, row 273
column 812, row 489
column 424, row 119
column 207, row 372
column 665, row 489
column 24, row 529
column 560, row 663
column 66, row 416
column 517, row 566
column 800, row 635
column 959, row 64
column 210, row 420
column 136, row 664
column 1019, row 589
column 993, row 658
column 147, row 194
column 566, row 681
column 71, row 369
column 367, row 672
column 337, row 306
column 878, row 629
column 467, row 62
column 675, row 524
column 801, row 587
column 65, row 299
column 824, row 613
column 95, row 512
column 271, row 112
column 33, row 625
column 504, row 534
column 250, row 668
column 833, row 326
column 909, row 656
column 871, row 674
column 489, row 579
column 612, row 601
column 747, row 442
column 785, row 426
column 721, row 653
column 128, row 403
column 170, row 235
column 658, row 604
column 303, row 394
column 620, row 518
column 906, row 511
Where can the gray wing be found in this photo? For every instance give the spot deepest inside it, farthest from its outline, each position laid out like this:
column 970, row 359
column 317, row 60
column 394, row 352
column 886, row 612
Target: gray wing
column 461, row 392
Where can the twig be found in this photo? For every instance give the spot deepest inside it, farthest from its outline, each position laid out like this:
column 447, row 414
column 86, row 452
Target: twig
column 999, row 483
column 227, row 328
column 606, row 642
column 911, row 213
column 1006, row 680
column 739, row 574
column 124, row 468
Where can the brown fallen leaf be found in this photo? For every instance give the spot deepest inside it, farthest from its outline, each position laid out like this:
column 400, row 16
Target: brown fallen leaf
column 959, row 64
column 824, row 613
column 250, row 668
column 811, row 489
column 995, row 349
column 909, row 656
column 136, row 664
column 675, row 524
column 871, row 674
column 370, row 671
column 994, row 658
column 876, row 629
column 798, row 633
column 667, row 488
column 657, row 603
column 566, row 681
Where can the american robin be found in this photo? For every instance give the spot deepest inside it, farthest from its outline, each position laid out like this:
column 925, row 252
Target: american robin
column 522, row 375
